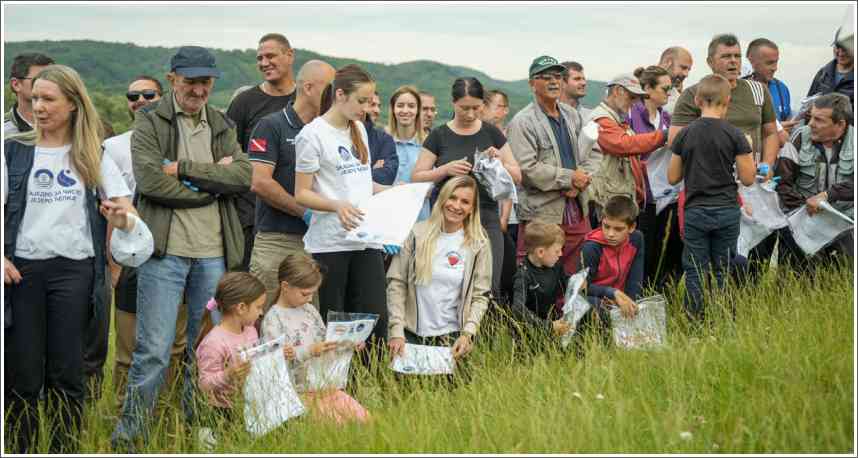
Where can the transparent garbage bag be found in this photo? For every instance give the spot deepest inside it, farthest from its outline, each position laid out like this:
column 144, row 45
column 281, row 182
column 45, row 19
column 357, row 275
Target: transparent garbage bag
column 648, row 329
column 270, row 398
column 575, row 304
column 813, row 233
column 492, row 175
column 331, row 370
column 656, row 168
column 424, row 360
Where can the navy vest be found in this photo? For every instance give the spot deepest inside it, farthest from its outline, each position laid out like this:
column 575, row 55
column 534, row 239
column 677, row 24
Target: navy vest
column 19, row 162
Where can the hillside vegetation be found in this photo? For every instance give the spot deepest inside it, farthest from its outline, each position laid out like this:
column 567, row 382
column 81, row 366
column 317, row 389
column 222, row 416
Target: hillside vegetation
column 108, row 67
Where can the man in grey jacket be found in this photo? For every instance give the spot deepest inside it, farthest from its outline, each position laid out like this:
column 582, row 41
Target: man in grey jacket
column 543, row 137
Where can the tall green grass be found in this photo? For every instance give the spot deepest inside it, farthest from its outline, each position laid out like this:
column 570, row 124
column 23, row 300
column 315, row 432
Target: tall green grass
column 778, row 378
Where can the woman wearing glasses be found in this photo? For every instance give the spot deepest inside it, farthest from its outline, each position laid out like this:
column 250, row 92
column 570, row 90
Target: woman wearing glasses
column 646, row 116
column 449, row 151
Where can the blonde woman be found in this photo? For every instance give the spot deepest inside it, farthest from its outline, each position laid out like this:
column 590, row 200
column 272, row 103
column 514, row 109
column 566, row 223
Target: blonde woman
column 438, row 285
column 60, row 196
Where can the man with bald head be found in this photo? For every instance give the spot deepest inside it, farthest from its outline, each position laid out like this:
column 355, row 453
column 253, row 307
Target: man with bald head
column 677, row 61
column 271, row 147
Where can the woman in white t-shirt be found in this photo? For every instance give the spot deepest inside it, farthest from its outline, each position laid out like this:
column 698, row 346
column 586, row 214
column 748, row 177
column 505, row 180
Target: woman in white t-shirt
column 332, row 175
column 439, row 283
column 61, row 193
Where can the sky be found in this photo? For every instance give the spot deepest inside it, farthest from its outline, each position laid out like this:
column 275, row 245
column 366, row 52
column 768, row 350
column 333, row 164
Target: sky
column 499, row 39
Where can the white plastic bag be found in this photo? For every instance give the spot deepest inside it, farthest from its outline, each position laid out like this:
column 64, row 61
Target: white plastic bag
column 270, row 398
column 751, row 233
column 492, row 175
column 648, row 329
column 765, row 205
column 813, row 233
column 576, row 304
column 424, row 360
column 663, row 192
column 331, row 370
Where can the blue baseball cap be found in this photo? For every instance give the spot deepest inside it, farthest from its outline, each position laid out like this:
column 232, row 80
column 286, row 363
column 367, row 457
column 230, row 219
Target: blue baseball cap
column 194, row 62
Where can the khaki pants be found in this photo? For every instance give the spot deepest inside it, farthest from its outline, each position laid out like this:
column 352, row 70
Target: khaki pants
column 125, row 326
column 269, row 249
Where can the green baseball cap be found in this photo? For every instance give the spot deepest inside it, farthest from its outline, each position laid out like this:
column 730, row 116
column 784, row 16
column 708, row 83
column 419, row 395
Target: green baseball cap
column 542, row 63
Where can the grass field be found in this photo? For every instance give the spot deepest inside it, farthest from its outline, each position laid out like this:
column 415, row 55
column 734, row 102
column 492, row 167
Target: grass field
column 777, row 379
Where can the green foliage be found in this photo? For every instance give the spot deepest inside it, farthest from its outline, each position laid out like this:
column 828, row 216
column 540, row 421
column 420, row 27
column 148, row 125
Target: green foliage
column 107, row 68
column 777, row 378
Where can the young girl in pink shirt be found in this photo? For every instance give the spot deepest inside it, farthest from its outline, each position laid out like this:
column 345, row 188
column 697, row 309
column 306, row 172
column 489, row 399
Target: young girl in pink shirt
column 294, row 316
column 239, row 298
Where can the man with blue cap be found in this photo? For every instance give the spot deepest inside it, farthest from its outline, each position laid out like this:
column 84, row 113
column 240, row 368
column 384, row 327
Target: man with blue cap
column 189, row 168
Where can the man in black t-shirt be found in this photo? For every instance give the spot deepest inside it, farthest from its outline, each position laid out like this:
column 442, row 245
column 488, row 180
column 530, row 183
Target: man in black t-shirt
column 274, row 58
column 271, row 147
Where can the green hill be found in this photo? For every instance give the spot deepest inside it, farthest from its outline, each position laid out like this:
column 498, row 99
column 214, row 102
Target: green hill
column 108, row 67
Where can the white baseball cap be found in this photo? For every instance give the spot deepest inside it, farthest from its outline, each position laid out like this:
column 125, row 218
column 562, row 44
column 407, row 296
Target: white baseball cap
column 132, row 248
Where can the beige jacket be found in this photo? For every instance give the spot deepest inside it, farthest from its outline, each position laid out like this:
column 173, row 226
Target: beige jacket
column 402, row 292
column 544, row 180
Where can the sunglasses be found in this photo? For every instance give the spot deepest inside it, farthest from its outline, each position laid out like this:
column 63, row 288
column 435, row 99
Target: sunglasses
column 134, row 96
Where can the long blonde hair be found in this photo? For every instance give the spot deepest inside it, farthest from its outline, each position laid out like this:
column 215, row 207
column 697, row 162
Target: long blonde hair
column 474, row 232
column 86, row 128
column 393, row 123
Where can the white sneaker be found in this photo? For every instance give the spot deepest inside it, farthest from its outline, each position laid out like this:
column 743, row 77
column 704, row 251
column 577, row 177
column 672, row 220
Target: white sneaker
column 206, row 438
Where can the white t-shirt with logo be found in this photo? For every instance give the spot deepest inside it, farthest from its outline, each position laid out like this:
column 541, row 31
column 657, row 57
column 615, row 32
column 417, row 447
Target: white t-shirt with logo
column 438, row 302
column 326, row 151
column 119, row 149
column 55, row 222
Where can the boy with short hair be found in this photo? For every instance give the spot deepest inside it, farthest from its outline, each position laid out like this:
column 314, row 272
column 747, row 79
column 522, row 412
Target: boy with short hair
column 540, row 279
column 704, row 153
column 614, row 253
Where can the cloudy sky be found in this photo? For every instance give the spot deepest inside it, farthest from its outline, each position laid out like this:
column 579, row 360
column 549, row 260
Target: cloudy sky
column 499, row 39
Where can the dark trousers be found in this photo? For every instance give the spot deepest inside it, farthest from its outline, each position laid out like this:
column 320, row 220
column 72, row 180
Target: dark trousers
column 657, row 238
column 354, row 282
column 711, row 234
column 491, row 223
column 51, row 306
column 249, row 237
column 509, row 267
column 95, row 346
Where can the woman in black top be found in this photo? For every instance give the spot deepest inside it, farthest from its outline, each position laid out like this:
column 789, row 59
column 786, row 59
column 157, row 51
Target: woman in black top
column 449, row 151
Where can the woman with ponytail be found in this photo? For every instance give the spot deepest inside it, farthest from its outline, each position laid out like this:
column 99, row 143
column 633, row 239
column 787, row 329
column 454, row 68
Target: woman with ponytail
column 332, row 174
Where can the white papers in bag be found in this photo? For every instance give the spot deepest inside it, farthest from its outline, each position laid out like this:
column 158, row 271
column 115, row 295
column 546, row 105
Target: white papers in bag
column 646, row 330
column 390, row 214
column 751, row 233
column 330, row 370
column 765, row 205
column 813, row 233
column 424, row 360
column 270, row 397
column 656, row 169
column 575, row 305
column 492, row 175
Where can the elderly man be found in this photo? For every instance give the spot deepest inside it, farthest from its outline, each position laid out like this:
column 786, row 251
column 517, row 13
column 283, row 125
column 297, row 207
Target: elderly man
column 837, row 75
column 189, row 168
column 143, row 91
column 274, row 59
column 24, row 68
column 823, row 170
column 677, row 61
column 619, row 147
column 279, row 223
column 543, row 137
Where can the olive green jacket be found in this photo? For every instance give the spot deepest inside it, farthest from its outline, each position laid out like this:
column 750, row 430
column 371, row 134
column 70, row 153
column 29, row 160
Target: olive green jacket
column 155, row 138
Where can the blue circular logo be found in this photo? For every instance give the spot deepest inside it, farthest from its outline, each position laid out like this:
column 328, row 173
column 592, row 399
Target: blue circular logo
column 44, row 178
column 65, row 180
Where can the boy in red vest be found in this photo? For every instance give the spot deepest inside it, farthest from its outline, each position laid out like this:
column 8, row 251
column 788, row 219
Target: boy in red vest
column 614, row 253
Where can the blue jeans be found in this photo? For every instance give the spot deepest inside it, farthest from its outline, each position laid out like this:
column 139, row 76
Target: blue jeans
column 162, row 284
column 711, row 234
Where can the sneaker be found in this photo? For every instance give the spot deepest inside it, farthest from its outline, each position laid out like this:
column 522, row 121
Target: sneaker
column 206, row 438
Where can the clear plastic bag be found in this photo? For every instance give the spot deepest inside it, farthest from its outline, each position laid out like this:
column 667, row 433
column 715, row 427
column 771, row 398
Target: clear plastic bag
column 331, row 370
column 270, row 398
column 813, row 233
column 648, row 329
column 492, row 175
column 656, row 169
column 575, row 304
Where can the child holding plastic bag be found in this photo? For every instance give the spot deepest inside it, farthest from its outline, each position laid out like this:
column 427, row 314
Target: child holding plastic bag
column 239, row 299
column 614, row 254
column 295, row 316
column 540, row 280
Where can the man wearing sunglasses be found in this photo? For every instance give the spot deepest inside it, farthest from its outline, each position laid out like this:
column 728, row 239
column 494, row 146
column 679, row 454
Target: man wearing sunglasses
column 543, row 137
column 836, row 76
column 24, row 68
